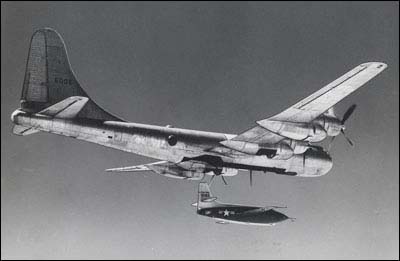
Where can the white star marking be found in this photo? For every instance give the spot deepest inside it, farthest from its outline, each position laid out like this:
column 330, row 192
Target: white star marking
column 226, row 213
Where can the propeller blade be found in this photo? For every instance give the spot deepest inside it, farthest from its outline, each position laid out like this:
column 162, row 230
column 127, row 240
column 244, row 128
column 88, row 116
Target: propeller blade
column 304, row 160
column 347, row 138
column 223, row 179
column 251, row 178
column 331, row 142
column 349, row 111
column 212, row 177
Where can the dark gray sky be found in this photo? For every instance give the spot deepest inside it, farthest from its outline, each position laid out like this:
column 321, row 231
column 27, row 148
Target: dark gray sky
column 207, row 66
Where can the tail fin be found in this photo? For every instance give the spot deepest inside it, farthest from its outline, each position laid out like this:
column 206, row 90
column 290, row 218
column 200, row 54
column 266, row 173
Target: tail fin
column 49, row 78
column 205, row 198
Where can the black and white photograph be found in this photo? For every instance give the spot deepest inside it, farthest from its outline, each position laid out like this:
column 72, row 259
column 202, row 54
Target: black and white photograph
column 199, row 130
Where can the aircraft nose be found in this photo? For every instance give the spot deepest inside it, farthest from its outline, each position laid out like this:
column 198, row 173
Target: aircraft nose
column 278, row 216
column 282, row 217
column 319, row 161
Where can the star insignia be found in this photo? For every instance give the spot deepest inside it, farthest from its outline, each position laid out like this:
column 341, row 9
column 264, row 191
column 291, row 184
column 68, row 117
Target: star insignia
column 226, row 213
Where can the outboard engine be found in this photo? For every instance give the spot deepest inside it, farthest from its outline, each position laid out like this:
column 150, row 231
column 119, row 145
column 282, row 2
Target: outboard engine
column 311, row 132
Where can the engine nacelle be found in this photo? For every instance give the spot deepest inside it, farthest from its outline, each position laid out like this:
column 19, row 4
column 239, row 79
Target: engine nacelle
column 332, row 125
column 283, row 151
column 312, row 163
column 275, row 151
column 298, row 147
column 316, row 134
column 297, row 131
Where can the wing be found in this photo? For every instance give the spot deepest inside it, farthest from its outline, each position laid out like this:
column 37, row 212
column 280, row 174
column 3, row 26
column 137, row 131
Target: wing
column 316, row 104
column 143, row 167
column 182, row 170
column 259, row 135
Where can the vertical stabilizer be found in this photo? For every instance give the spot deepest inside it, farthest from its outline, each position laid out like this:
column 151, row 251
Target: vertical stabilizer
column 49, row 78
column 205, row 198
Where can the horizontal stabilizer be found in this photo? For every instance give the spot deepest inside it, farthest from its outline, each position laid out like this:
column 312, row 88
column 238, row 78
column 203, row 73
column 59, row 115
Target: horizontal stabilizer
column 211, row 199
column 23, row 131
column 66, row 109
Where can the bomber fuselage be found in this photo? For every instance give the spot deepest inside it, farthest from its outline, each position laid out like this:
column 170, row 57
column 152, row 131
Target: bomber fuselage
column 173, row 144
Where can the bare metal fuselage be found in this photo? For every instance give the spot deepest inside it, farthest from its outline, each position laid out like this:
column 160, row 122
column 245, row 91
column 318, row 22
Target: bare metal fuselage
column 53, row 101
column 151, row 141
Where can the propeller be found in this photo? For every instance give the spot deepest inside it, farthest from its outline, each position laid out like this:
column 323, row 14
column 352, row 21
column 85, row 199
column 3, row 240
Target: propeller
column 251, row 178
column 213, row 176
column 346, row 116
column 330, row 143
column 211, row 180
column 347, row 138
column 223, row 179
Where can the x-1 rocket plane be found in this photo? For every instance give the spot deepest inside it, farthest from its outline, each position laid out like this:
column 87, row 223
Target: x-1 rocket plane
column 208, row 206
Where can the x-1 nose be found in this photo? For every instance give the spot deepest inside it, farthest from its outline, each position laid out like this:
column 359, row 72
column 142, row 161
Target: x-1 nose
column 276, row 216
column 281, row 216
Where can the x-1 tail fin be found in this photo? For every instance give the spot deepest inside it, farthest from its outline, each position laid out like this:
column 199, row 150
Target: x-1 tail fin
column 205, row 198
